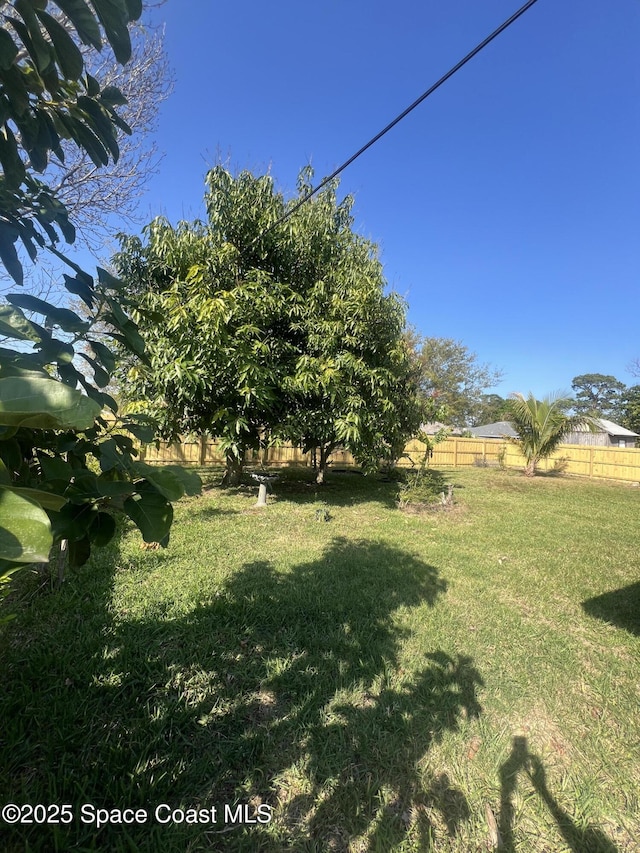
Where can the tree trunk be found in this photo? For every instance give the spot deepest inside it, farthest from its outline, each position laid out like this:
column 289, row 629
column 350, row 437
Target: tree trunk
column 323, row 464
column 233, row 472
column 530, row 467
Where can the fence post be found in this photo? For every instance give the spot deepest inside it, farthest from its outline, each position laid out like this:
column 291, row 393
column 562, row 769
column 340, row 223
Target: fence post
column 591, row 452
column 455, row 452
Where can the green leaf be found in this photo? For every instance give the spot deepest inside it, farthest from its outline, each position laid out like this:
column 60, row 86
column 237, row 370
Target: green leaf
column 164, row 480
column 55, row 468
column 57, row 352
column 67, row 320
column 14, row 324
column 12, row 164
column 16, row 90
column 67, row 52
column 25, row 532
column 101, row 124
column 190, row 481
column 102, row 530
column 100, row 375
column 47, row 500
column 143, row 427
column 44, row 404
column 8, row 50
column 83, row 20
column 88, row 140
column 105, row 355
column 40, row 50
column 92, row 86
column 79, row 552
column 150, row 512
column 80, row 288
column 134, row 7
column 8, row 254
column 112, row 96
column 110, row 488
column 115, row 20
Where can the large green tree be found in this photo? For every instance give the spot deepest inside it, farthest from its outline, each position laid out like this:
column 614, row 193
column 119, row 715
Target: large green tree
column 542, row 425
column 491, row 409
column 631, row 409
column 449, row 371
column 260, row 330
column 63, row 467
column 598, row 395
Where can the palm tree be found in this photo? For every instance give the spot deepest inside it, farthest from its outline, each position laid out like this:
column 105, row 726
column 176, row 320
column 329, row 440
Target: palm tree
column 541, row 425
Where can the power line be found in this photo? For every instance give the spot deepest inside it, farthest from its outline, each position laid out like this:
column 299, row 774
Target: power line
column 396, row 120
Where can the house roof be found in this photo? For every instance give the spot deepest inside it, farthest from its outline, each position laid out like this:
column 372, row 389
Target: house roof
column 609, row 427
column 496, row 430
column 434, row 427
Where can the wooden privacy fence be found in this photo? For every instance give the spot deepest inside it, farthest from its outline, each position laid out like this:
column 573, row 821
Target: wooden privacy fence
column 612, row 463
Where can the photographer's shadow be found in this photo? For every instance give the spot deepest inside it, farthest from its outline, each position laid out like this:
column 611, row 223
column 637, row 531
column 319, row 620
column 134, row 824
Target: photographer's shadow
column 521, row 761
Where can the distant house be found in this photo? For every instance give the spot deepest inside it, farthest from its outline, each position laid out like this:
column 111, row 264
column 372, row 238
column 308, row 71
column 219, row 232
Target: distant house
column 498, row 430
column 607, row 434
column 434, row 427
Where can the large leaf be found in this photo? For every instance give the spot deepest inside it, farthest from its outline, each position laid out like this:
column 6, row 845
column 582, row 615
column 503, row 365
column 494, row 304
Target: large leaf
column 47, row 500
column 102, row 529
column 189, row 480
column 55, row 468
column 67, row 52
column 79, row 552
column 44, row 404
column 150, row 512
column 142, row 427
column 13, row 324
column 114, row 19
column 163, row 479
column 8, row 50
column 83, row 20
column 8, row 254
column 63, row 317
column 25, row 531
column 100, row 375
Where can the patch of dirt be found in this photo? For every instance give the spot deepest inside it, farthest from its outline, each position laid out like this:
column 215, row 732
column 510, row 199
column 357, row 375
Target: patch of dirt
column 263, row 707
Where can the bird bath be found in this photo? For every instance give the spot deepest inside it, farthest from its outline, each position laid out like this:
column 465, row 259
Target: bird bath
column 264, row 480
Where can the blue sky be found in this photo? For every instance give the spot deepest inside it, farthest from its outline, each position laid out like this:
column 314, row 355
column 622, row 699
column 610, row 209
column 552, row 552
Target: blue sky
column 506, row 207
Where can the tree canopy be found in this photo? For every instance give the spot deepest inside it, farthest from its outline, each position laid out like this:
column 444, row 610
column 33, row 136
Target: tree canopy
column 598, row 395
column 631, row 409
column 259, row 330
column 449, row 371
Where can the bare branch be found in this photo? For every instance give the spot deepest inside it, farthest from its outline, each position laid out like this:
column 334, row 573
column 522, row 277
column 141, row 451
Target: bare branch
column 94, row 196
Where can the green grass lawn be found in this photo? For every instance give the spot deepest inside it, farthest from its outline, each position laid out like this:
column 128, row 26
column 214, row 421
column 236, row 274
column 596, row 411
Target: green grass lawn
column 378, row 681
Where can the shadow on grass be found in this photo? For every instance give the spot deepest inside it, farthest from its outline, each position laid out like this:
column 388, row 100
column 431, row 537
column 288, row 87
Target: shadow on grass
column 520, row 763
column 620, row 607
column 339, row 489
column 207, row 512
column 281, row 690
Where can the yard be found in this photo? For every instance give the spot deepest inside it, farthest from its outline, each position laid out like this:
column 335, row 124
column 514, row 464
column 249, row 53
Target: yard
column 373, row 679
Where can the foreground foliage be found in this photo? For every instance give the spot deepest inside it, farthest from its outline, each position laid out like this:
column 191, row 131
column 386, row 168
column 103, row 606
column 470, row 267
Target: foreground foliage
column 64, row 468
column 383, row 682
